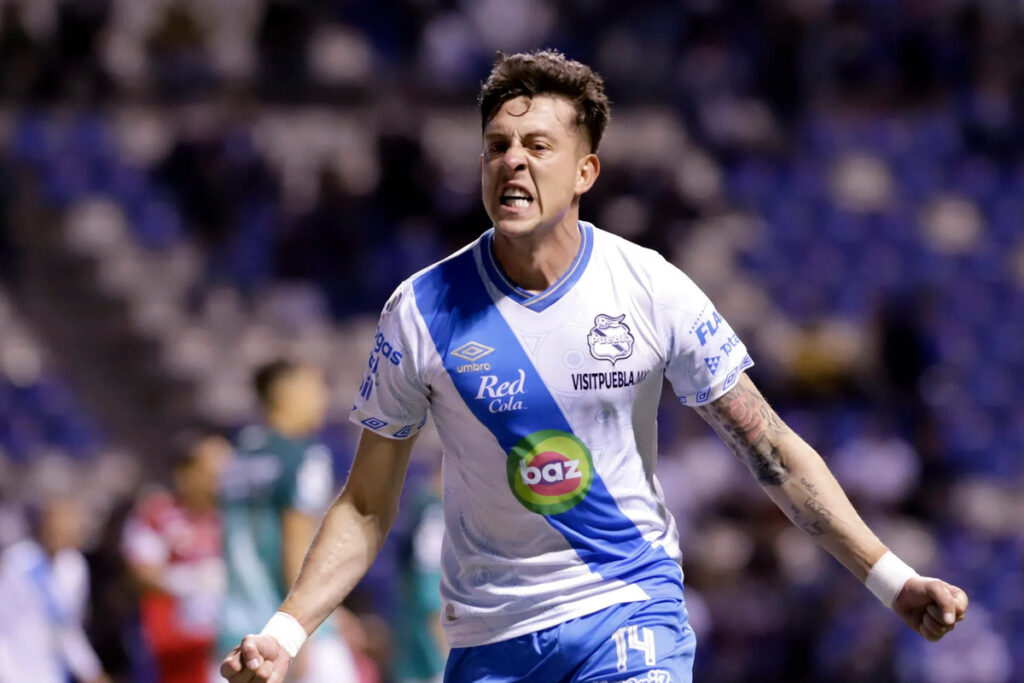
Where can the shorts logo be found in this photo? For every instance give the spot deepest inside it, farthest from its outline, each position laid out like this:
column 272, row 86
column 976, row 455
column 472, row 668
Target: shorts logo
column 712, row 363
column 610, row 338
column 550, row 471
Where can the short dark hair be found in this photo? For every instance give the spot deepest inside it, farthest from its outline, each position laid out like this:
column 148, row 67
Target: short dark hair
column 184, row 445
column 267, row 375
column 548, row 72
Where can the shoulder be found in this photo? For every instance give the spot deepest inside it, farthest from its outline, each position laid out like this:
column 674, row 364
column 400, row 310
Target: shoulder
column 629, row 258
column 20, row 557
column 251, row 439
column 155, row 507
column 446, row 266
column 664, row 282
column 402, row 300
column 70, row 568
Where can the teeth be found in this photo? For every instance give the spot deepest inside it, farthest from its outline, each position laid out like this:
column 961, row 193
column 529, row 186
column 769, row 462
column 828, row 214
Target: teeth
column 516, row 201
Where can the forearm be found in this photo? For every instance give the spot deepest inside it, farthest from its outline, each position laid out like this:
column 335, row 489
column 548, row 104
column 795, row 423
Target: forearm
column 813, row 500
column 342, row 551
column 793, row 474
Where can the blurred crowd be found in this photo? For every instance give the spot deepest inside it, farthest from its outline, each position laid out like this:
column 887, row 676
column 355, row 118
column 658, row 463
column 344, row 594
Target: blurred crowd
column 189, row 189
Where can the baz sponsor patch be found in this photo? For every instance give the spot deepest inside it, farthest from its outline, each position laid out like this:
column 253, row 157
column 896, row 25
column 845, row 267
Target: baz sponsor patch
column 550, row 471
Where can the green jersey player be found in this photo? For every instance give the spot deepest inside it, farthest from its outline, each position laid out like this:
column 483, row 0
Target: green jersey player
column 273, row 492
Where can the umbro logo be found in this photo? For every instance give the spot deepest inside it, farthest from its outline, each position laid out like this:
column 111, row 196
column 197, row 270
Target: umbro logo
column 472, row 351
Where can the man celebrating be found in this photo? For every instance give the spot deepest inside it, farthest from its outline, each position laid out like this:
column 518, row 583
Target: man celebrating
column 540, row 349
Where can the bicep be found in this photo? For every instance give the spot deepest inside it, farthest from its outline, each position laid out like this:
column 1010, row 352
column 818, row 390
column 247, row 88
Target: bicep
column 751, row 430
column 378, row 471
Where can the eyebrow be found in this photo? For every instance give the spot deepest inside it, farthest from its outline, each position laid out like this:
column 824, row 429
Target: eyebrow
column 497, row 134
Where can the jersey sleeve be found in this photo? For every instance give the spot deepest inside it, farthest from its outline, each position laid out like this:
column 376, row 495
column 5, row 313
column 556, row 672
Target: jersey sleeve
column 704, row 356
column 393, row 399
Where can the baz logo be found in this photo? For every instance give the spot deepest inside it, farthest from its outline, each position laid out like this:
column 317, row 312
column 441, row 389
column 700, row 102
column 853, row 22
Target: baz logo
column 610, row 338
column 550, row 471
column 472, row 351
column 502, row 397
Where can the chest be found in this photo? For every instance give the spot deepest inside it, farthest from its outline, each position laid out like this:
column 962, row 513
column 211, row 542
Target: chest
column 598, row 347
column 191, row 538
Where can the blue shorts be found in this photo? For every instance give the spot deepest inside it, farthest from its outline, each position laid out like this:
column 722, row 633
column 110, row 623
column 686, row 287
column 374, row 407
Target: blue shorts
column 635, row 642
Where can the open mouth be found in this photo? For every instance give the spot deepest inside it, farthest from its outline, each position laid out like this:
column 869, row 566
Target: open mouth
column 516, row 199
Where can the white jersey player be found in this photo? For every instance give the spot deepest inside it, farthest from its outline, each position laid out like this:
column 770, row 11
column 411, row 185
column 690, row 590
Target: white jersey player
column 540, row 350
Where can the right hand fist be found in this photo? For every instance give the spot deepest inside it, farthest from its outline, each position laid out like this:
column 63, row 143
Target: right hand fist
column 259, row 659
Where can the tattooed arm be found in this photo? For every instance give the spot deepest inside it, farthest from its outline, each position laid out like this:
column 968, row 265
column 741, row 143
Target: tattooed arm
column 799, row 482
column 793, row 475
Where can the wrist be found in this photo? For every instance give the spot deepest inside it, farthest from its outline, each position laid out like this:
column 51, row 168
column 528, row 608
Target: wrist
column 887, row 577
column 287, row 631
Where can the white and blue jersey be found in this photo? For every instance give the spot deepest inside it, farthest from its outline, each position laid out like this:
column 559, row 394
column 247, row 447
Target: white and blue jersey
column 546, row 405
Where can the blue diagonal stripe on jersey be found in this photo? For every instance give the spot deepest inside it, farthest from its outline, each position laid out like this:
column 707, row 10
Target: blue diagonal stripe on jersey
column 457, row 309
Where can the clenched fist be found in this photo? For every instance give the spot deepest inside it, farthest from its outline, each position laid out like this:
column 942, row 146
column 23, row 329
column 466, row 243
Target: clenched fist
column 259, row 659
column 931, row 607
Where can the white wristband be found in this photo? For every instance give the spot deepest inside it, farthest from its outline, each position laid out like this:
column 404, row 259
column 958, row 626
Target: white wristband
column 287, row 631
column 886, row 577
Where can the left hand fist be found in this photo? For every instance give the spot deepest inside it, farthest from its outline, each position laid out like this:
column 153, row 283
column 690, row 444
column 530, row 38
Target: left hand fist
column 930, row 606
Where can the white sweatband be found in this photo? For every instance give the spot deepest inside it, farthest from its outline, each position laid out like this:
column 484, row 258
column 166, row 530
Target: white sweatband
column 287, row 631
column 886, row 577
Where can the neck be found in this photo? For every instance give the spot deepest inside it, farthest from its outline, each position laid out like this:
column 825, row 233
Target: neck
column 286, row 425
column 536, row 261
column 197, row 505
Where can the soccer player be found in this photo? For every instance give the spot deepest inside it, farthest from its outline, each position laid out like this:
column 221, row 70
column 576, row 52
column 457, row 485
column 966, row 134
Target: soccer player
column 420, row 645
column 172, row 544
column 540, row 350
column 274, row 490
column 44, row 593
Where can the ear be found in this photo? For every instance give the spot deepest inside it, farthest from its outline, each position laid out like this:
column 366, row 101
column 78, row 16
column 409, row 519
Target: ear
column 587, row 170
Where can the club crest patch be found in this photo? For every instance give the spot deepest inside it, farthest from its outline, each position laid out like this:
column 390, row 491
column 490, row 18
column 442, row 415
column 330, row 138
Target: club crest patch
column 610, row 338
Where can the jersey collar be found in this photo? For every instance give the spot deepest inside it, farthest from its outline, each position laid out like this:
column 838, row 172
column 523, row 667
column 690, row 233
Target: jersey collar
column 540, row 300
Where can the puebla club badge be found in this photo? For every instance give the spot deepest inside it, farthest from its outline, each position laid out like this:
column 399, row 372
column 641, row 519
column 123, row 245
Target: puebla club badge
column 610, row 338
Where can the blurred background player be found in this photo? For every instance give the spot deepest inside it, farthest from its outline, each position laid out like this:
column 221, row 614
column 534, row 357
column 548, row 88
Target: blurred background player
column 419, row 640
column 274, row 491
column 172, row 544
column 44, row 590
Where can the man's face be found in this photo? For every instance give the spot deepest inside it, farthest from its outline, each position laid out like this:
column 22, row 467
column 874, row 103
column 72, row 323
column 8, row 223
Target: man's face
column 197, row 480
column 62, row 525
column 304, row 393
column 535, row 163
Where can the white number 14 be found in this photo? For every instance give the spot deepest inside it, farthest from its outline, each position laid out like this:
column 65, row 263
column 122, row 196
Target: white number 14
column 634, row 638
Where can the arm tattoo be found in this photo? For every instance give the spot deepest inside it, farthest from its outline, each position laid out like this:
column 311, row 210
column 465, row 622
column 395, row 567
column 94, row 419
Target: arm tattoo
column 809, row 487
column 822, row 522
column 750, row 428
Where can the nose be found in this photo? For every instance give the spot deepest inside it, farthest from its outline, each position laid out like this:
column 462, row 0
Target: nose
column 515, row 157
